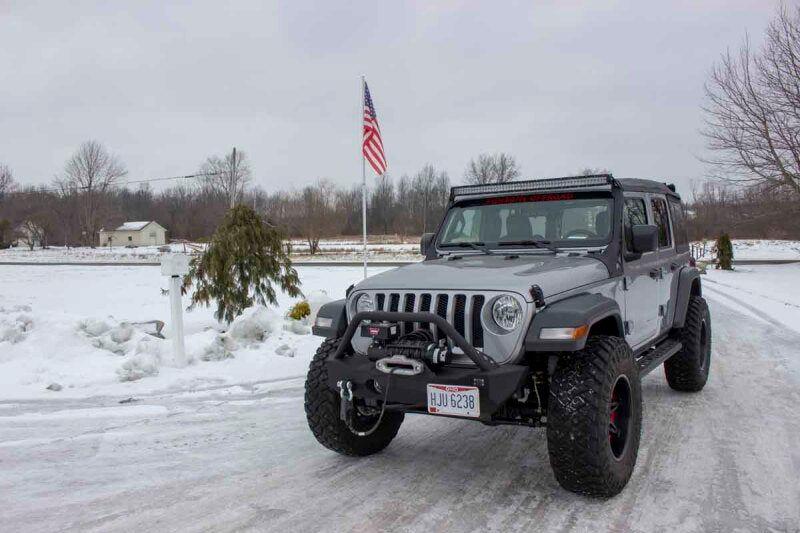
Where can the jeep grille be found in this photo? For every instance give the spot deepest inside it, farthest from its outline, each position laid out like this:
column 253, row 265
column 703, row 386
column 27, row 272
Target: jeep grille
column 461, row 310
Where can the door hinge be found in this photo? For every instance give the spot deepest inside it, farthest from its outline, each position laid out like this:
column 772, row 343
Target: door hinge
column 625, row 283
column 628, row 325
column 662, row 310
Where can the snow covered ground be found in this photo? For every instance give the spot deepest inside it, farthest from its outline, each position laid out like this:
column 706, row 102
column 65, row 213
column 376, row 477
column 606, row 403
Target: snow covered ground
column 223, row 445
column 76, row 327
column 752, row 249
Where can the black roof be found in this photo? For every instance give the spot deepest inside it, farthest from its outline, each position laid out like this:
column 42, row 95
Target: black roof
column 638, row 185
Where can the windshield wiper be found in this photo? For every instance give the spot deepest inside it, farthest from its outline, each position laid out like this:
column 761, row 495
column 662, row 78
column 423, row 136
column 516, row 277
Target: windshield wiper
column 530, row 242
column 480, row 246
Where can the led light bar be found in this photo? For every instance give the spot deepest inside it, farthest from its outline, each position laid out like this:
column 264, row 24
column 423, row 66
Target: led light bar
column 573, row 182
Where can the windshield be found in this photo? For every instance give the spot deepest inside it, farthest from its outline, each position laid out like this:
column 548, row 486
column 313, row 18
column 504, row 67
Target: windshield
column 561, row 219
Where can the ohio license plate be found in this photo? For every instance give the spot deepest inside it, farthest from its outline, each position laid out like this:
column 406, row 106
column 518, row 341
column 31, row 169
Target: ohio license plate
column 455, row 400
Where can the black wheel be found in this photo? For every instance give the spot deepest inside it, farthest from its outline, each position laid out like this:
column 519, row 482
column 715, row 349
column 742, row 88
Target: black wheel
column 594, row 417
column 687, row 370
column 322, row 413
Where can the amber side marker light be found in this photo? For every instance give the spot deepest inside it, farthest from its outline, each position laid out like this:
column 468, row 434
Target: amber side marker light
column 563, row 334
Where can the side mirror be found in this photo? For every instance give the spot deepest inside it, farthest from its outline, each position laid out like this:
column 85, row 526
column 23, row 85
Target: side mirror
column 645, row 238
column 425, row 242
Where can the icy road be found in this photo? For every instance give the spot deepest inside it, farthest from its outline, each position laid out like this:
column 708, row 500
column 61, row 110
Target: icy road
column 241, row 458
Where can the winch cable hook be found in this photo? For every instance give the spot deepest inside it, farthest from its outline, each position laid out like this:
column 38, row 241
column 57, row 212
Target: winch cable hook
column 348, row 419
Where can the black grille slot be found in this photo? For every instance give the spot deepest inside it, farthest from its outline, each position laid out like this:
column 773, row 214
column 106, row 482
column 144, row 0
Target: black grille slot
column 441, row 306
column 458, row 315
column 441, row 310
column 394, row 302
column 425, row 307
column 381, row 299
column 477, row 329
column 409, row 307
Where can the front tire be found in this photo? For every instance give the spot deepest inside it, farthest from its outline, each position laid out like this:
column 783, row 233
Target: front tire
column 322, row 413
column 595, row 417
column 687, row 370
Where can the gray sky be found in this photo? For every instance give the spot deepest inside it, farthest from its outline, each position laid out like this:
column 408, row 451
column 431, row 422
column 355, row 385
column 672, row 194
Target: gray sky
column 561, row 85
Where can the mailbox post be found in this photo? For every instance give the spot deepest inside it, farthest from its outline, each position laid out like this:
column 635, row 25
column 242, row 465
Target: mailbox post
column 176, row 266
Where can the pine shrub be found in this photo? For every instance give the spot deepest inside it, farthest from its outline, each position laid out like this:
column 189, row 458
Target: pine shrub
column 724, row 252
column 241, row 266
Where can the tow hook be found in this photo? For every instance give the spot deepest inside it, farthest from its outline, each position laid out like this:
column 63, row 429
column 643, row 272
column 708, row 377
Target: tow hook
column 346, row 403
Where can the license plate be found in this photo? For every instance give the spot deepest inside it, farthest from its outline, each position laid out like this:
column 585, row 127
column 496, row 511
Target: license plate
column 455, row 400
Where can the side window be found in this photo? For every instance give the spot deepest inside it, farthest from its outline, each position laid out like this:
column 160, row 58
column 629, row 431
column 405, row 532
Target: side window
column 662, row 221
column 635, row 213
column 679, row 225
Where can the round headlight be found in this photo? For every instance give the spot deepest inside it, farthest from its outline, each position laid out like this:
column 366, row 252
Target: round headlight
column 507, row 313
column 364, row 303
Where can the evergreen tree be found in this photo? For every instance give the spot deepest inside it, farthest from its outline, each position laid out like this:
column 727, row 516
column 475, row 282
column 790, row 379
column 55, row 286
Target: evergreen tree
column 243, row 260
column 724, row 252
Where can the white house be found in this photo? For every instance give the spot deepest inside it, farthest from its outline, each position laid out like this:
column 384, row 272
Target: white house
column 143, row 233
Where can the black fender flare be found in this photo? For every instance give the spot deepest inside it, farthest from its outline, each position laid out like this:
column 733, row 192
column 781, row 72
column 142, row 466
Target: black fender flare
column 334, row 311
column 688, row 285
column 585, row 309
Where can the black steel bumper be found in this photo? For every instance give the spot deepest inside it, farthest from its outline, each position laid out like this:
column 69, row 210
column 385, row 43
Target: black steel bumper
column 495, row 383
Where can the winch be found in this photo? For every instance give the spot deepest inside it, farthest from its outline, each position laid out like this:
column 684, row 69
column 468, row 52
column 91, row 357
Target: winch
column 418, row 345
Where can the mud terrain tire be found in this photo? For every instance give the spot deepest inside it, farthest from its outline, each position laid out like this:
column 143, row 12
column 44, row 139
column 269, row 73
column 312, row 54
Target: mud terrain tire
column 593, row 441
column 322, row 413
column 687, row 370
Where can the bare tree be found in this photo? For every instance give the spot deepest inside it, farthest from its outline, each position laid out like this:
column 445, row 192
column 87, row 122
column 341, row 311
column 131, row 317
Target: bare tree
column 382, row 204
column 314, row 214
column 91, row 172
column 753, row 110
column 480, row 170
column 505, row 168
column 7, row 184
column 497, row 168
column 228, row 175
column 589, row 171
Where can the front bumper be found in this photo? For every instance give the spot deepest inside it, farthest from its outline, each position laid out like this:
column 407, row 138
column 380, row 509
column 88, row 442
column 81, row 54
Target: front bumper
column 409, row 393
column 496, row 383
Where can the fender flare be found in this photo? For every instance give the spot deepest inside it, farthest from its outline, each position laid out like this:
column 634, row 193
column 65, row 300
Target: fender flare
column 688, row 285
column 335, row 312
column 583, row 309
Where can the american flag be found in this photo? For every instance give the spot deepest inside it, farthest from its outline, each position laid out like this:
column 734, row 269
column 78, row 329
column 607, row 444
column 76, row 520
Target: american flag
column 373, row 145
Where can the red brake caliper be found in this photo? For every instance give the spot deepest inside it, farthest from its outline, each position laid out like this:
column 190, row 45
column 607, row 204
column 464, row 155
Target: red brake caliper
column 612, row 416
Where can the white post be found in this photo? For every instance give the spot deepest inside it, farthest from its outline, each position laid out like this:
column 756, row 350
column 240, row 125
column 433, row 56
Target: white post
column 178, row 348
column 363, row 175
column 176, row 266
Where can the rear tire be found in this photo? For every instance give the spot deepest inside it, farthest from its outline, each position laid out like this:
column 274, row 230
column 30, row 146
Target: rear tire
column 322, row 412
column 594, row 417
column 687, row 370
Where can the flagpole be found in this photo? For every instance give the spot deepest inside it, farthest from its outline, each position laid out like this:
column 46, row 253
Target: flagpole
column 363, row 176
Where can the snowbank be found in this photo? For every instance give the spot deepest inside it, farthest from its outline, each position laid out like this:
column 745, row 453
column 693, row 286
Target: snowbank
column 85, row 331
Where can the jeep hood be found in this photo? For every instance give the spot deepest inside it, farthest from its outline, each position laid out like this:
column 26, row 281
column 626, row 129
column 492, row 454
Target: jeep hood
column 554, row 274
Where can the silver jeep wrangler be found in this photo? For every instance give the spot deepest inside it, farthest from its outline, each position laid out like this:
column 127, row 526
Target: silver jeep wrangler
column 538, row 303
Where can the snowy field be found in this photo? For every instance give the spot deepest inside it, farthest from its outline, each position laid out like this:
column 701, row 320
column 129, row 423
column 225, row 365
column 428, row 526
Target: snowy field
column 222, row 444
column 757, row 249
column 330, row 250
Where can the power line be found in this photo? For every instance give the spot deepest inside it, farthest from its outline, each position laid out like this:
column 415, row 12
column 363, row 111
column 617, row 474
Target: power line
column 70, row 188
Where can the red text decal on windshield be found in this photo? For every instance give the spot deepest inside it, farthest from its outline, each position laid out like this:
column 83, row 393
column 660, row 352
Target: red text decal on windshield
column 529, row 198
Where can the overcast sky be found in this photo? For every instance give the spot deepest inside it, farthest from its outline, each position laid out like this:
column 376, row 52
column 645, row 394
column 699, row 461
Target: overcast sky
column 561, row 85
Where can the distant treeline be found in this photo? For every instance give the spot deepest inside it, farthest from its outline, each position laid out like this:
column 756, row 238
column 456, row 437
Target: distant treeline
column 760, row 212
column 91, row 194
column 192, row 211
